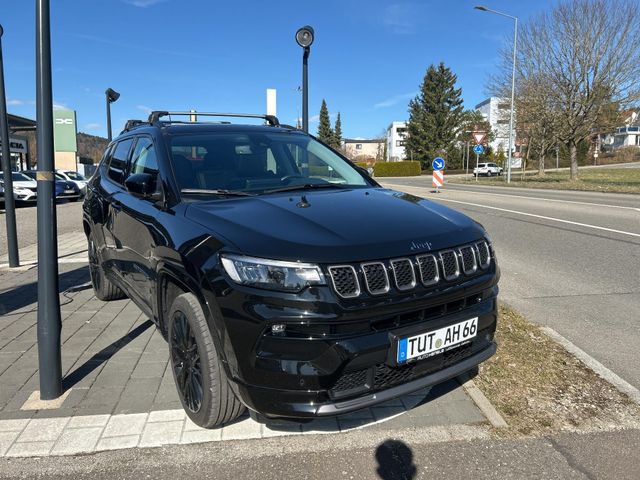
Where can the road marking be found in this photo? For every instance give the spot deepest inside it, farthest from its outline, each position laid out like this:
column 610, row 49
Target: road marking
column 544, row 217
column 596, row 366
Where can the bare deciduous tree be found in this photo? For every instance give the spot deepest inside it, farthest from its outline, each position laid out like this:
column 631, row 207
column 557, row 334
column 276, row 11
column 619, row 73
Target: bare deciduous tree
column 577, row 65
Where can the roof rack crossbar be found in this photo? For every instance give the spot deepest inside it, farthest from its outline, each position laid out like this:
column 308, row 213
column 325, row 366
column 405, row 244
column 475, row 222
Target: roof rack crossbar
column 155, row 116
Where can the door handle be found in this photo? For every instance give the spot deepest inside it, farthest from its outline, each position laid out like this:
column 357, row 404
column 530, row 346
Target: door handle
column 116, row 205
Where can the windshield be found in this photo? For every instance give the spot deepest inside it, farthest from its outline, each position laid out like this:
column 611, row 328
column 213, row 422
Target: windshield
column 75, row 176
column 17, row 177
column 257, row 163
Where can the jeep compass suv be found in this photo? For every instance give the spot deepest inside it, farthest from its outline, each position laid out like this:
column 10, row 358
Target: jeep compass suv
column 284, row 278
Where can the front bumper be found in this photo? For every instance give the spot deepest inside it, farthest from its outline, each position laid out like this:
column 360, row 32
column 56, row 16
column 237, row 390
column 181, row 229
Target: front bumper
column 338, row 356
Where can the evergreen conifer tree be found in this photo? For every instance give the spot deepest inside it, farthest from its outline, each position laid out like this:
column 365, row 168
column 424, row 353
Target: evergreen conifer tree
column 325, row 133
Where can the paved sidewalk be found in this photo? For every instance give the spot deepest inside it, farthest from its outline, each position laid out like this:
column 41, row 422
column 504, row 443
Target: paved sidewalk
column 118, row 385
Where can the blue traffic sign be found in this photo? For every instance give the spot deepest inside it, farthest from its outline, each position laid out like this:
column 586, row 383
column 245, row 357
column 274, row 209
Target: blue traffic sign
column 478, row 149
column 438, row 163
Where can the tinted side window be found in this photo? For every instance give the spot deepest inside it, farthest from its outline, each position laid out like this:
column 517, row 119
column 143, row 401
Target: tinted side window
column 144, row 159
column 118, row 163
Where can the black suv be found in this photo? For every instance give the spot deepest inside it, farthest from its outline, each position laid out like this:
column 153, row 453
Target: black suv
column 284, row 278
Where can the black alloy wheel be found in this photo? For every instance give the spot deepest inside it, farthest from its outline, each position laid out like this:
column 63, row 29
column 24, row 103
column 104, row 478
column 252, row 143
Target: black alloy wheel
column 185, row 359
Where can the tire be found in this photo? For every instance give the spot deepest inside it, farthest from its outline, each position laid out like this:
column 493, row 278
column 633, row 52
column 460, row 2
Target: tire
column 102, row 288
column 489, row 173
column 203, row 386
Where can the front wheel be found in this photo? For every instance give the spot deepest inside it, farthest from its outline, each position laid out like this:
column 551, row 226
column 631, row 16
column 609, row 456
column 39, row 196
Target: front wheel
column 200, row 378
column 489, row 173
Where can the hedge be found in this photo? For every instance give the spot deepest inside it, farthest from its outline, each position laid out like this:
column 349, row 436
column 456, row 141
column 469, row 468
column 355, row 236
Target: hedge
column 396, row 169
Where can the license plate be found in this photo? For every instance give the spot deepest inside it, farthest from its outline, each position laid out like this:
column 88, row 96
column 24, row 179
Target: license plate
column 432, row 343
column 68, row 191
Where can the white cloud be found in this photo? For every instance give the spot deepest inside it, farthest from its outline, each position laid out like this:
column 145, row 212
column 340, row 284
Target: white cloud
column 144, row 108
column 143, row 3
column 314, row 118
column 402, row 18
column 391, row 101
column 92, row 126
column 14, row 103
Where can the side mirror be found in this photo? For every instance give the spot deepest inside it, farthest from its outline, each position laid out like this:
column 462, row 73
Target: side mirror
column 141, row 185
column 367, row 172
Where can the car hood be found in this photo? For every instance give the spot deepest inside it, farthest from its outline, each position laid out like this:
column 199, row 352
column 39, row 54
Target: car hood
column 328, row 226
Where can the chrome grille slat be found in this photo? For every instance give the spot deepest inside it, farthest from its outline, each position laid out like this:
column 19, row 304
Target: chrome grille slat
column 403, row 273
column 345, row 281
column 428, row 267
column 484, row 255
column 468, row 257
column 450, row 266
column 375, row 277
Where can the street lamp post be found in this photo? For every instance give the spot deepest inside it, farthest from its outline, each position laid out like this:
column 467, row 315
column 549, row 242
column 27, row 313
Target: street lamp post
column 513, row 82
column 9, row 202
column 111, row 96
column 305, row 37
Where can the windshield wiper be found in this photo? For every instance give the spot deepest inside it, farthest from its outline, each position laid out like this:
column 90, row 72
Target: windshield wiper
column 207, row 191
column 306, row 186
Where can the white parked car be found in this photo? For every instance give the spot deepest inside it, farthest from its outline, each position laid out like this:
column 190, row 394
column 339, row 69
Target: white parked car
column 487, row 169
column 74, row 177
column 25, row 189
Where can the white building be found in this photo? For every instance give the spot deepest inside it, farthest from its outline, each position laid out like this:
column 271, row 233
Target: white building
column 496, row 111
column 396, row 134
column 626, row 136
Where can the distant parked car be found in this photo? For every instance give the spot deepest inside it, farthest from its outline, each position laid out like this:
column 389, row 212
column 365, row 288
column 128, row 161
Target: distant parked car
column 74, row 177
column 25, row 189
column 1, row 193
column 64, row 190
column 487, row 169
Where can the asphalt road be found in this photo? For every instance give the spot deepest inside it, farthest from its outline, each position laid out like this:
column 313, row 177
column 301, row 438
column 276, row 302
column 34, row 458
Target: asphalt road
column 69, row 220
column 359, row 455
column 569, row 260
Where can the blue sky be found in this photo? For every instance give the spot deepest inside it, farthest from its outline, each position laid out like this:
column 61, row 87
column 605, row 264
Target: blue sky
column 368, row 59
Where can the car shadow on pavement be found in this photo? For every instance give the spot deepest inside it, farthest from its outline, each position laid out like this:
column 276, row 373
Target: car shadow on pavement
column 20, row 296
column 395, row 461
column 103, row 356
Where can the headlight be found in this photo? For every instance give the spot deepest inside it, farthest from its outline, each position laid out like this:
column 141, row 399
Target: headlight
column 272, row 274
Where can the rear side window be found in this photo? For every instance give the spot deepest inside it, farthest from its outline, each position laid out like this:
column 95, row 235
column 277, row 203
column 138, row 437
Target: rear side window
column 143, row 160
column 118, row 163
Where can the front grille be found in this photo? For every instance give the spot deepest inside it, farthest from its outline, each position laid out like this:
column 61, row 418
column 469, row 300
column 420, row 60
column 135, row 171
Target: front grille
column 375, row 277
column 351, row 382
column 345, row 281
column 403, row 273
column 428, row 266
column 484, row 255
column 468, row 256
column 450, row 268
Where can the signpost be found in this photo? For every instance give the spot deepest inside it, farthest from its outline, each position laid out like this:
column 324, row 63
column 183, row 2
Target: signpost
column 438, row 175
column 478, row 150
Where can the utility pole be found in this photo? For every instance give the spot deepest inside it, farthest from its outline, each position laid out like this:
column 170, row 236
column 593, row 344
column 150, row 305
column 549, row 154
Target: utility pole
column 49, row 321
column 9, row 201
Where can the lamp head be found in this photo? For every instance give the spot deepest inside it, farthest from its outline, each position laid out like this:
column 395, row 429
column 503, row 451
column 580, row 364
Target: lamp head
column 304, row 36
column 481, row 8
column 112, row 95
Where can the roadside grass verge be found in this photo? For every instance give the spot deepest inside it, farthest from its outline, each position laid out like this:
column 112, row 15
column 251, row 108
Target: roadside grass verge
column 538, row 387
column 608, row 180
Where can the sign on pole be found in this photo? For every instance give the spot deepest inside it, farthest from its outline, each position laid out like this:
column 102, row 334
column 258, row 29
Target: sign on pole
column 479, row 137
column 438, row 163
column 478, row 149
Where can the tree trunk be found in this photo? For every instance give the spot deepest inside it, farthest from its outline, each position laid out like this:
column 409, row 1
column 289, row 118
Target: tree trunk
column 573, row 153
column 541, row 160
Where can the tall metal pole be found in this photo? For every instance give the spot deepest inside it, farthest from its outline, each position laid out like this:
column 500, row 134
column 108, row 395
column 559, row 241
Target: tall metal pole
column 9, row 201
column 305, row 91
column 109, row 136
column 513, row 95
column 49, row 322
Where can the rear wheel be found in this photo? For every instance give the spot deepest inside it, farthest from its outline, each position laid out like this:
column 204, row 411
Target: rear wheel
column 200, row 378
column 102, row 288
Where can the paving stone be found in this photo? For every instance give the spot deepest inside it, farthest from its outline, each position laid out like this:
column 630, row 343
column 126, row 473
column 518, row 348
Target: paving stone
column 43, row 429
column 6, row 440
column 161, row 433
column 77, row 440
column 244, row 429
column 167, row 416
column 16, row 425
column 281, row 429
column 118, row 443
column 88, row 421
column 201, row 435
column 321, row 425
column 30, row 449
column 120, row 425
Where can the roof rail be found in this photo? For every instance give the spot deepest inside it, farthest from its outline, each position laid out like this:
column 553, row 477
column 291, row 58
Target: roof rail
column 133, row 123
column 155, row 116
